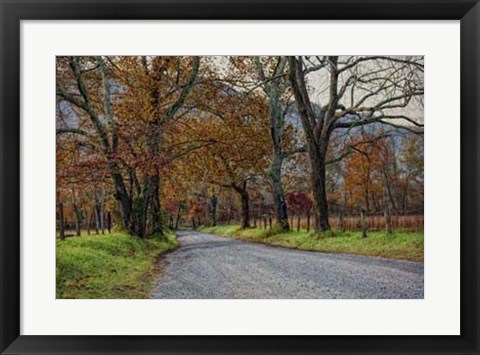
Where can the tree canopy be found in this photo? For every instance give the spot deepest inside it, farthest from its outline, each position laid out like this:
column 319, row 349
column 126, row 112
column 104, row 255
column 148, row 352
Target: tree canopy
column 146, row 143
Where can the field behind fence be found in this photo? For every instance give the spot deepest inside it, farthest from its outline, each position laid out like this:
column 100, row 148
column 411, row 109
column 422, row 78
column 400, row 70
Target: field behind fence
column 353, row 223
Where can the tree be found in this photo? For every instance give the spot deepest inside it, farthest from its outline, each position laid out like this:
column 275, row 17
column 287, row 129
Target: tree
column 365, row 171
column 359, row 91
column 410, row 175
column 235, row 125
column 109, row 97
column 269, row 74
column 142, row 136
column 300, row 205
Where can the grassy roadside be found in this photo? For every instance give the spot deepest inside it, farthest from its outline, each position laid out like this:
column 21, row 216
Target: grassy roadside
column 108, row 266
column 400, row 245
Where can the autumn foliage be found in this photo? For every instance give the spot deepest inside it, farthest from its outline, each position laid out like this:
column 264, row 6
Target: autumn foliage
column 146, row 143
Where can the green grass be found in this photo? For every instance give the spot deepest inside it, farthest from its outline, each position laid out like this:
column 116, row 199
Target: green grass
column 401, row 245
column 108, row 266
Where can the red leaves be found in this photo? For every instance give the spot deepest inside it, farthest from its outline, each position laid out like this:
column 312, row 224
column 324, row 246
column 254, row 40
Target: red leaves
column 299, row 203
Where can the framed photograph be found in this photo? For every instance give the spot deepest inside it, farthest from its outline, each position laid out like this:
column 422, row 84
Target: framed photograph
column 239, row 177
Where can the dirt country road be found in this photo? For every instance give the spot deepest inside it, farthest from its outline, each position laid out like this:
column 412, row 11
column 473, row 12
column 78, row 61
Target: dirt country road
column 208, row 266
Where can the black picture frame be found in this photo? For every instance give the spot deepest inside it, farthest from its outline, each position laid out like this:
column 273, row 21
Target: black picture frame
column 12, row 12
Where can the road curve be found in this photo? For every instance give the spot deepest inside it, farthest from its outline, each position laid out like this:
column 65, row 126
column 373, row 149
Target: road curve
column 208, row 266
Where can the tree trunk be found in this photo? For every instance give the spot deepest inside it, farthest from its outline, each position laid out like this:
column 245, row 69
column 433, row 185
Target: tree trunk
column 386, row 204
column 308, row 222
column 364, row 223
column 318, row 178
column 317, row 131
column 281, row 212
column 141, row 209
column 97, row 219
column 179, row 210
column 78, row 220
column 298, row 224
column 245, row 203
column 342, row 220
column 87, row 221
column 388, row 220
column 390, row 195
column 125, row 201
column 61, row 225
column 93, row 220
column 245, row 209
column 102, row 220
column 212, row 209
column 109, row 221
column 274, row 89
column 157, row 224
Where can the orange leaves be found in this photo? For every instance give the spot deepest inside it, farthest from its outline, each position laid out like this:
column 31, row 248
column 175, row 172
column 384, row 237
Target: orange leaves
column 200, row 126
column 364, row 174
column 225, row 121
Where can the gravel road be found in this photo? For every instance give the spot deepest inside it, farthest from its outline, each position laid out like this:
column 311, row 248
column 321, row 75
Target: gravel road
column 207, row 266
